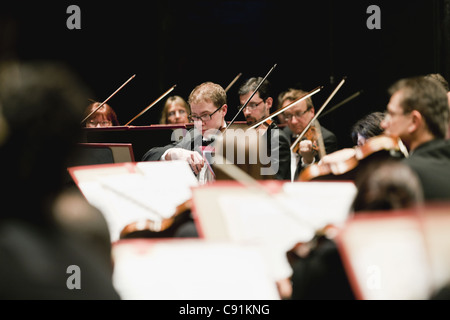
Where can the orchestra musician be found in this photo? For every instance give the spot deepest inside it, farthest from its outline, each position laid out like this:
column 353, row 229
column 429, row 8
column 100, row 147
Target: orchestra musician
column 257, row 109
column 208, row 102
column 105, row 116
column 176, row 111
column 298, row 117
column 440, row 79
column 418, row 113
column 367, row 127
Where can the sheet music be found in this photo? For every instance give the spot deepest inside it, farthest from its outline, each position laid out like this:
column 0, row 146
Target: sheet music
column 152, row 191
column 320, row 203
column 208, row 271
column 290, row 217
column 387, row 258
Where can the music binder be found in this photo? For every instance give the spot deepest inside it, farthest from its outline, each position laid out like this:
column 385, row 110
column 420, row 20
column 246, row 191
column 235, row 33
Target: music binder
column 103, row 153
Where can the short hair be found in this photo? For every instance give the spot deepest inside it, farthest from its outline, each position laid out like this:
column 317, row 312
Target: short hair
column 169, row 101
column 208, row 92
column 251, row 84
column 427, row 97
column 292, row 95
column 439, row 78
column 368, row 126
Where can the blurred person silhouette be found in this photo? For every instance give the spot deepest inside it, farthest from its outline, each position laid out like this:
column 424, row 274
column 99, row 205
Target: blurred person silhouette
column 38, row 253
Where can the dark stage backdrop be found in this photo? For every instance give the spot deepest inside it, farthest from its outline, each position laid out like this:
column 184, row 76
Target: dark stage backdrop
column 184, row 43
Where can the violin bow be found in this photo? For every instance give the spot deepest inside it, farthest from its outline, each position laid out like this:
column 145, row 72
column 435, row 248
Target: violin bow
column 305, row 96
column 353, row 96
column 318, row 113
column 152, row 104
column 251, row 96
column 233, row 82
column 320, row 139
column 103, row 103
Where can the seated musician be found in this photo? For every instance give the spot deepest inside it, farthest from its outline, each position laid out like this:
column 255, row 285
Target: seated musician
column 208, row 103
column 176, row 111
column 418, row 113
column 364, row 129
column 367, row 127
column 105, row 116
column 298, row 117
column 258, row 109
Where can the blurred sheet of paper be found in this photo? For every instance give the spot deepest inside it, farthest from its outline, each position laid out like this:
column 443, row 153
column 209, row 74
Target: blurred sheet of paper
column 386, row 257
column 125, row 193
column 190, row 269
column 277, row 222
column 436, row 224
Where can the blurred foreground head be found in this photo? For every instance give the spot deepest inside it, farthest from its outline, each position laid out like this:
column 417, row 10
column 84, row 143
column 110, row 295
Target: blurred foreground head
column 41, row 106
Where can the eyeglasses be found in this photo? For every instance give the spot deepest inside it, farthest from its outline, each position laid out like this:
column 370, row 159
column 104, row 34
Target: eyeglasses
column 298, row 114
column 390, row 114
column 204, row 118
column 93, row 123
column 173, row 113
column 251, row 106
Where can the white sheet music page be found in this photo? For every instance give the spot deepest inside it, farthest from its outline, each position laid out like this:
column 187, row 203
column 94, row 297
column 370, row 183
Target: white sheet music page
column 191, row 269
column 320, row 203
column 152, row 192
column 281, row 221
column 387, row 258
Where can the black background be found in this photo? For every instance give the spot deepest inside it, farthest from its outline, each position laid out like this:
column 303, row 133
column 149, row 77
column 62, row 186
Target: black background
column 184, row 43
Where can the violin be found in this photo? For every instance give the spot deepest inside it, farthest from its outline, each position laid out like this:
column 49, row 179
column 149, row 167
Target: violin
column 164, row 228
column 312, row 135
column 343, row 162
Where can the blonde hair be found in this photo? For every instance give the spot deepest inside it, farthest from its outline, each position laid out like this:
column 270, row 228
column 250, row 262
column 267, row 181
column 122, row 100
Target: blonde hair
column 209, row 92
column 173, row 99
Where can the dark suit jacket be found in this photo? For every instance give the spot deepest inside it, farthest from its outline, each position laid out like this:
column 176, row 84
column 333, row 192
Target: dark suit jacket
column 329, row 140
column 277, row 144
column 431, row 162
column 191, row 141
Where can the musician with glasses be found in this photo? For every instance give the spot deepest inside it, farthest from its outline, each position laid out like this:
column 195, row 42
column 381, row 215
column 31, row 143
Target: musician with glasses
column 208, row 102
column 105, row 116
column 258, row 109
column 298, row 117
column 418, row 113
